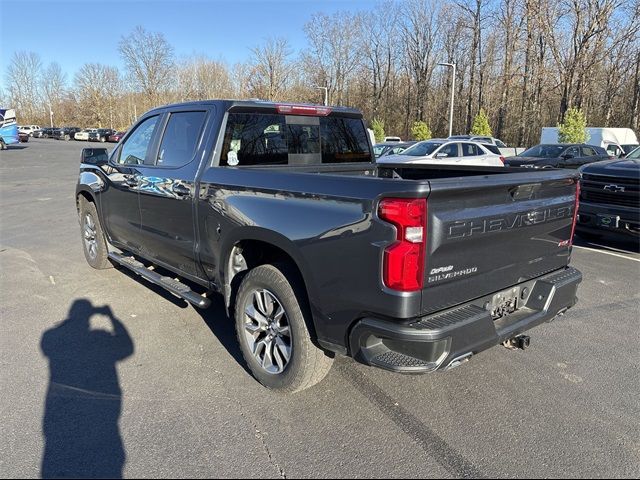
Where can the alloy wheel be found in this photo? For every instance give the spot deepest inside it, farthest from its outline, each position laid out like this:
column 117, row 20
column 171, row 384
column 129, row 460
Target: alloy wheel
column 266, row 329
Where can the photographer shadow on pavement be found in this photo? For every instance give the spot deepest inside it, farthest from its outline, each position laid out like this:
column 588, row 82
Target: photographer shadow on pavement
column 84, row 399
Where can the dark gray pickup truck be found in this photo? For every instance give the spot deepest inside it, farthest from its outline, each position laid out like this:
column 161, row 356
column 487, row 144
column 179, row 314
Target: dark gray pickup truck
column 317, row 250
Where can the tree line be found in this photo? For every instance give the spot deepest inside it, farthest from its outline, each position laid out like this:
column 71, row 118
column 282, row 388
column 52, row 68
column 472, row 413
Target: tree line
column 523, row 62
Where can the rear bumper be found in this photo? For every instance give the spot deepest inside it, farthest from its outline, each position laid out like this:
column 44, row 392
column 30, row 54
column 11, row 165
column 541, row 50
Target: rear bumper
column 624, row 220
column 446, row 339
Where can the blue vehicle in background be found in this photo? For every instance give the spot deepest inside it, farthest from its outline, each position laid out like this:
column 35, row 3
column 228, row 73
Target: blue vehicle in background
column 8, row 128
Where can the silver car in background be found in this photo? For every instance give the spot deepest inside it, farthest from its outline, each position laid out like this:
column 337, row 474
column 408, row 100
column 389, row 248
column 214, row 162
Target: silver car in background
column 448, row 152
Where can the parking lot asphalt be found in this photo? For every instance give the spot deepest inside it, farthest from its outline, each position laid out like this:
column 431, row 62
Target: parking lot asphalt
column 171, row 397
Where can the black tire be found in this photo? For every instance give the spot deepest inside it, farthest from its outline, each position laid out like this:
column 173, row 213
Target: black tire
column 307, row 363
column 94, row 244
column 3, row 146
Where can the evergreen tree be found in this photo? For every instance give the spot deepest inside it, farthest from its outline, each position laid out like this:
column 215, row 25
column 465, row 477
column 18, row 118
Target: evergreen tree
column 378, row 129
column 574, row 127
column 481, row 124
column 420, row 131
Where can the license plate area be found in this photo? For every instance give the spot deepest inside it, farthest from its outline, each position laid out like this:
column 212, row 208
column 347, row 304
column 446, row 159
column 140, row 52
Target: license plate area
column 503, row 303
column 608, row 221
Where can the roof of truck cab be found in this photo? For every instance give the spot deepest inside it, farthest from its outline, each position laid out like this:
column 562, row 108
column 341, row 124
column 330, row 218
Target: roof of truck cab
column 228, row 103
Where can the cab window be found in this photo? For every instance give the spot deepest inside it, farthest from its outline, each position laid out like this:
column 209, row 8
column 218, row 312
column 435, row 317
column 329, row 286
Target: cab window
column 180, row 139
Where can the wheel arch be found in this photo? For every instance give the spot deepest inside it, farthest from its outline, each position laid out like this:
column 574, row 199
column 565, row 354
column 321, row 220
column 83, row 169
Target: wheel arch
column 254, row 247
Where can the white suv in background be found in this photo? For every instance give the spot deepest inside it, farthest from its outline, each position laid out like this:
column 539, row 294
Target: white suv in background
column 29, row 129
column 84, row 134
column 448, row 152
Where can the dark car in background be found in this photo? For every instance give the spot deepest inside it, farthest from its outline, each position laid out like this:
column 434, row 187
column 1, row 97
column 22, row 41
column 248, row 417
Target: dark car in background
column 101, row 135
column 115, row 137
column 390, row 148
column 65, row 133
column 558, row 155
column 610, row 197
column 47, row 132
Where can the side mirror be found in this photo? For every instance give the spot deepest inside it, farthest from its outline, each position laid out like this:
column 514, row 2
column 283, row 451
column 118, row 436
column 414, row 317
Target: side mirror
column 442, row 155
column 94, row 156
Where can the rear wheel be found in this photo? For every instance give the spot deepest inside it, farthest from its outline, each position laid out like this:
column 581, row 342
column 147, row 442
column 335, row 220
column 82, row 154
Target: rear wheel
column 94, row 244
column 3, row 146
column 272, row 325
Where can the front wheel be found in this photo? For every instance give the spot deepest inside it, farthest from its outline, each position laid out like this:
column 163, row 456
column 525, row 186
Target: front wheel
column 272, row 325
column 93, row 241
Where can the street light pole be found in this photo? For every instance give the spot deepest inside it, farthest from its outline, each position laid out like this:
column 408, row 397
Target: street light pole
column 453, row 92
column 326, row 94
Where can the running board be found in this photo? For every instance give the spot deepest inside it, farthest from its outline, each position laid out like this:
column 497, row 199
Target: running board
column 172, row 285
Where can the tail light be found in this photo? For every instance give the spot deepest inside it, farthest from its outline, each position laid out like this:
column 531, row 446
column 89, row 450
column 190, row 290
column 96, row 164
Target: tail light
column 502, row 159
column 403, row 267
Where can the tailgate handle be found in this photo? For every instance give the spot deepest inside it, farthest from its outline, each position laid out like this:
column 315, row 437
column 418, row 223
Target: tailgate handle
column 524, row 192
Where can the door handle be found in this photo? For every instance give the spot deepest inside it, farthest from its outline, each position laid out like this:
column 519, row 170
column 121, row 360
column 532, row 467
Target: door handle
column 131, row 180
column 180, row 190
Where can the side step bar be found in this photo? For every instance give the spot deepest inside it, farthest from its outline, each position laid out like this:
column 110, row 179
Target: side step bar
column 177, row 288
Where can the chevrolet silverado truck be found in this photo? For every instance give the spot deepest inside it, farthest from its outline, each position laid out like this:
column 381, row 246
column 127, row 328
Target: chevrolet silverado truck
column 316, row 250
column 610, row 198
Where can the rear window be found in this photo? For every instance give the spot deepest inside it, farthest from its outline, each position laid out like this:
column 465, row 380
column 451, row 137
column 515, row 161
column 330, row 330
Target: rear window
column 492, row 148
column 272, row 139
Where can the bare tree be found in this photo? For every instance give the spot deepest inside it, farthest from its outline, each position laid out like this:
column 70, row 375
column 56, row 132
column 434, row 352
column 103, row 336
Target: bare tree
column 420, row 31
column 270, row 68
column 474, row 12
column 23, row 79
column 379, row 30
column 150, row 63
column 95, row 84
column 53, row 88
column 333, row 56
column 200, row 78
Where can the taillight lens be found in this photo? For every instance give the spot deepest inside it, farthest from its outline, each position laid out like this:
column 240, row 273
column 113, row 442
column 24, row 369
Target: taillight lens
column 575, row 212
column 502, row 159
column 403, row 267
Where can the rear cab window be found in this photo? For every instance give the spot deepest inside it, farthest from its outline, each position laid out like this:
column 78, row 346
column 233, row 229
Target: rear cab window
column 180, row 138
column 252, row 139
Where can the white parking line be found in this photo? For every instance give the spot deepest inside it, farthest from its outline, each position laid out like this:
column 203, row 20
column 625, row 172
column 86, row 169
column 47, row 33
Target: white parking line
column 608, row 253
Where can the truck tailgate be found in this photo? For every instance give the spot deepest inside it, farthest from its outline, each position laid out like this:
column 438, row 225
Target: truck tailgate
column 486, row 233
